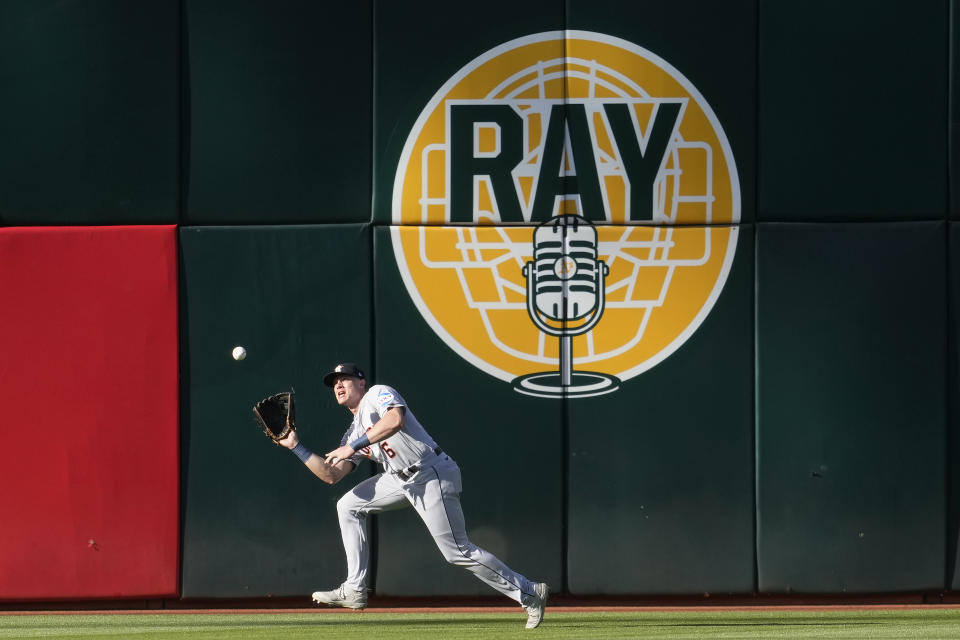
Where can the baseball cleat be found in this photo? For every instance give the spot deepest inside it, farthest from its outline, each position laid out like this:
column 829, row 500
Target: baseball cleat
column 342, row 596
column 538, row 603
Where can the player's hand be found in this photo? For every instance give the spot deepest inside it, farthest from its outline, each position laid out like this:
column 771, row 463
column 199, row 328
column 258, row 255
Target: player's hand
column 338, row 454
column 290, row 441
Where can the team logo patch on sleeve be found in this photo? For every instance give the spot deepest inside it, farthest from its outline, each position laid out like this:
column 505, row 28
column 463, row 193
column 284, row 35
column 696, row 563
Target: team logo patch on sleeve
column 386, row 399
column 566, row 211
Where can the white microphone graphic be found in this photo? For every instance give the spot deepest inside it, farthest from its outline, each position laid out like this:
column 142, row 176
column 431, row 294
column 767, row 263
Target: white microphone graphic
column 565, row 298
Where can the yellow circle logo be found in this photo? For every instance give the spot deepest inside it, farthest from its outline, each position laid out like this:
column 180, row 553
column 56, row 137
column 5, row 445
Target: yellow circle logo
column 565, row 212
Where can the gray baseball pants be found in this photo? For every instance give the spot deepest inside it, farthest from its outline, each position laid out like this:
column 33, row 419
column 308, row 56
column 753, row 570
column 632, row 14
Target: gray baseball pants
column 434, row 492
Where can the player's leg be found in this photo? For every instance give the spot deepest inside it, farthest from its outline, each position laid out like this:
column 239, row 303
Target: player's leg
column 436, row 497
column 374, row 495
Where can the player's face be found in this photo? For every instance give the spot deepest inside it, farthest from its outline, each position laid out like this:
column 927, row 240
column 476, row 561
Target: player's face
column 349, row 390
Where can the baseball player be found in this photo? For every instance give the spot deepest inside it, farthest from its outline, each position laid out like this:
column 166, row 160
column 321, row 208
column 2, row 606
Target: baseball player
column 415, row 472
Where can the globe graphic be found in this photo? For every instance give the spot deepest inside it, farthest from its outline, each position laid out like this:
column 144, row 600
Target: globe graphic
column 663, row 273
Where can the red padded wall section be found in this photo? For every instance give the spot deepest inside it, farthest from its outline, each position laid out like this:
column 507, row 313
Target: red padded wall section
column 89, row 503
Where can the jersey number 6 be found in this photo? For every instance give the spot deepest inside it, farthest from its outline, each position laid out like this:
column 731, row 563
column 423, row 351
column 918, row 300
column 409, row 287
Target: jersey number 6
column 387, row 450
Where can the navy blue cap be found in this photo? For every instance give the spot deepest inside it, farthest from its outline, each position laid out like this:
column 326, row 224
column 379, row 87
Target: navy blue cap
column 343, row 369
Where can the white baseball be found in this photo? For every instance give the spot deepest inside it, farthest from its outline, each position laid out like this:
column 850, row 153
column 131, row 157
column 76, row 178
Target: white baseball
column 239, row 353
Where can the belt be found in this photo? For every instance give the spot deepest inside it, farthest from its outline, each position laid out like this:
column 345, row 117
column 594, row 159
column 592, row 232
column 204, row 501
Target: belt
column 408, row 473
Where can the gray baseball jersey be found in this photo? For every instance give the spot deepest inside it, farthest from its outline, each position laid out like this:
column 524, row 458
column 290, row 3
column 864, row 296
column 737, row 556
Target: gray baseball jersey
column 409, row 446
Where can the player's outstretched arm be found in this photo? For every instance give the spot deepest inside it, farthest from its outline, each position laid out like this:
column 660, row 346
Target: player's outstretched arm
column 329, row 473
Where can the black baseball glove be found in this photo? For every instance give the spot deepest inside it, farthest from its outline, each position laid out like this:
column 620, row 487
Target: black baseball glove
column 275, row 415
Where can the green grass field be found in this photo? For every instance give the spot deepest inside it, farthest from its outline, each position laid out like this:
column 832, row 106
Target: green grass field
column 775, row 624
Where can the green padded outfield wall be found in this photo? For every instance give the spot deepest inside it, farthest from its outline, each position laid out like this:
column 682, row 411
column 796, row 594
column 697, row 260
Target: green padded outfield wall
column 669, row 508
column 954, row 130
column 740, row 162
column 279, row 115
column 953, row 431
column 851, row 407
column 853, row 110
column 90, row 112
column 298, row 299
